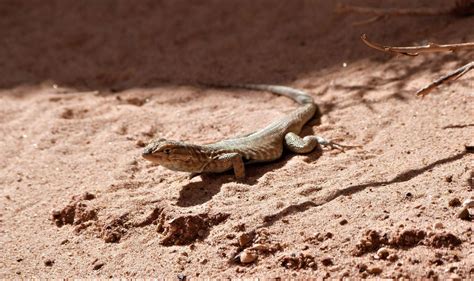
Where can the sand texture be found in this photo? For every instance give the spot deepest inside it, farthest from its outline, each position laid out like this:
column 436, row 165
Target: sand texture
column 84, row 85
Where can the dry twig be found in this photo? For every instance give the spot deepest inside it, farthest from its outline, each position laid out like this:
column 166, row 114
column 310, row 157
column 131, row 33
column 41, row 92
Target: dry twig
column 449, row 77
column 415, row 50
column 460, row 8
column 344, row 8
column 430, row 48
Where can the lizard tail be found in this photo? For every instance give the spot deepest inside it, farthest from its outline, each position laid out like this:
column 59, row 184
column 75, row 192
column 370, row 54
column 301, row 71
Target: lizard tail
column 298, row 96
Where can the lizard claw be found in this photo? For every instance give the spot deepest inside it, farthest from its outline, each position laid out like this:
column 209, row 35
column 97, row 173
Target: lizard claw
column 193, row 175
column 340, row 147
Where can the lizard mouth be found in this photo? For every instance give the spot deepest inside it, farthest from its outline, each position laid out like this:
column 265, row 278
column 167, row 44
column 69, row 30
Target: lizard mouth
column 148, row 155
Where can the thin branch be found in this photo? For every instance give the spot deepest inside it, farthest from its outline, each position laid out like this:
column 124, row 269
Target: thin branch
column 430, row 48
column 344, row 8
column 415, row 50
column 367, row 21
column 454, row 75
column 462, row 8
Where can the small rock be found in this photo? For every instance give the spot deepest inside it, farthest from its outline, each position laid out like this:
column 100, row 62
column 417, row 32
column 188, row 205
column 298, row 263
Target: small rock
column 327, row 261
column 468, row 203
column 463, row 214
column 259, row 247
column 383, row 253
column 469, row 147
column 438, row 225
column 49, row 262
column 343, row 222
column 449, row 178
column 374, row 270
column 98, row 266
column 247, row 257
column 455, row 202
column 392, row 257
column 244, row 239
column 88, row 196
column 181, row 277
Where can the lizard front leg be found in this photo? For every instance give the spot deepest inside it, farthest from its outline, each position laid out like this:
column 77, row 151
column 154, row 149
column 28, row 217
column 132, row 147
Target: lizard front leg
column 235, row 161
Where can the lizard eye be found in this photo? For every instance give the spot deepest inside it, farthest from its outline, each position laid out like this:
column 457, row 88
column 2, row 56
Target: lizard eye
column 167, row 151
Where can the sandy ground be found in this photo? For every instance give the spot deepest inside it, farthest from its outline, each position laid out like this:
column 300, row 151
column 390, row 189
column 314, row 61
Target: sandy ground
column 85, row 84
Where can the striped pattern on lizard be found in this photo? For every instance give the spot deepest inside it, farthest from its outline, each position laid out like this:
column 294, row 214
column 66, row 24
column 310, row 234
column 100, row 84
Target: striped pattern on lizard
column 261, row 146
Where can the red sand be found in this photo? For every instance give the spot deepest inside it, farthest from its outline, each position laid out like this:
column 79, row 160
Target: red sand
column 84, row 84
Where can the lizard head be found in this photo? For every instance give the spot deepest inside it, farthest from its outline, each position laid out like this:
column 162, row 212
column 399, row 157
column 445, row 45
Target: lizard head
column 174, row 155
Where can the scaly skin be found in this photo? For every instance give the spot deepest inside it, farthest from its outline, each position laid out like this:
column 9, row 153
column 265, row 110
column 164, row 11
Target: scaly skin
column 261, row 146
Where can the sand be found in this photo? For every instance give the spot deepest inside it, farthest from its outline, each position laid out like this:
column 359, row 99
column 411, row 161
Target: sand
column 84, row 85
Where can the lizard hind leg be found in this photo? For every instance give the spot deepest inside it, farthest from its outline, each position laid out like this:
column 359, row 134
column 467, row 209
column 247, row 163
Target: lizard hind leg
column 307, row 144
column 301, row 145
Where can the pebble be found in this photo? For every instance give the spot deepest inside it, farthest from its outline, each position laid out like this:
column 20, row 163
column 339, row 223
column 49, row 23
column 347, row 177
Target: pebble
column 392, row 257
column 49, row 262
column 468, row 203
column 181, row 277
column 327, row 261
column 374, row 270
column 244, row 239
column 449, row 178
column 383, row 253
column 343, row 222
column 98, row 266
column 463, row 214
column 260, row 247
column 438, row 225
column 247, row 257
column 455, row 202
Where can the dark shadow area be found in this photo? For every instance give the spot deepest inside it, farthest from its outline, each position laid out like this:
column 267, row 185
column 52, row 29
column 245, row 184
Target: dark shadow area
column 117, row 45
column 405, row 176
column 401, row 74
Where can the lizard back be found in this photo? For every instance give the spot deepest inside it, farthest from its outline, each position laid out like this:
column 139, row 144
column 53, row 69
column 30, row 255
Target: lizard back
column 267, row 144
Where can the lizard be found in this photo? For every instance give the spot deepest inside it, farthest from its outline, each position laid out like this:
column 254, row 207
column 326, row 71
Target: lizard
column 264, row 145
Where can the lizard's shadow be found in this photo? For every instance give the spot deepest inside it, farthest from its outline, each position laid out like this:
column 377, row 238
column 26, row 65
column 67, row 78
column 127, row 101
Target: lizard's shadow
column 199, row 192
